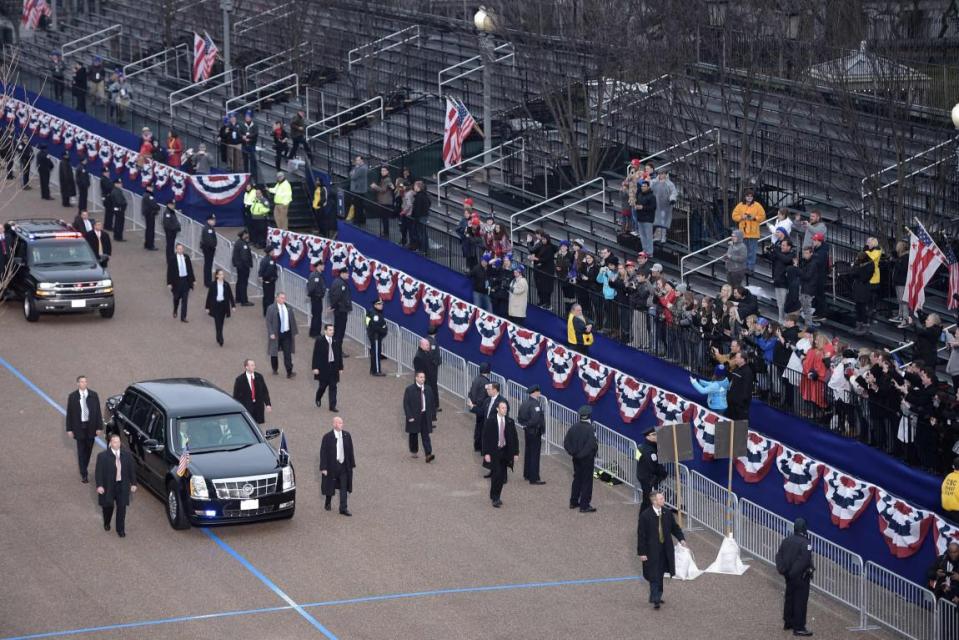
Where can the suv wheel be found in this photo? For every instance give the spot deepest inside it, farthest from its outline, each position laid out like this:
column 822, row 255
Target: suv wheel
column 30, row 309
column 175, row 513
column 107, row 313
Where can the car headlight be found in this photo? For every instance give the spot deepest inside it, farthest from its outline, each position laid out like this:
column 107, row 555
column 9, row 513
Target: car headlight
column 46, row 286
column 289, row 481
column 105, row 283
column 198, row 488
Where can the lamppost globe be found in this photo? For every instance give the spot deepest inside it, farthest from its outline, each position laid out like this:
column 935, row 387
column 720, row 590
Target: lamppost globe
column 483, row 21
column 955, row 116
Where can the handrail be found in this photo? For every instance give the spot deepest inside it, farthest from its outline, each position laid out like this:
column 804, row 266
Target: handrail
column 104, row 34
column 862, row 183
column 256, row 20
column 350, row 61
column 189, row 5
column 220, row 85
column 678, row 144
column 638, row 99
column 439, row 75
column 683, row 273
column 286, row 86
column 307, row 50
column 130, row 74
column 602, row 193
column 440, row 183
column 362, row 116
column 906, row 345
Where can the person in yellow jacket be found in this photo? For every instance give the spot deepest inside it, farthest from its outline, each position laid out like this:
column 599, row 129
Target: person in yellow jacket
column 750, row 215
column 579, row 332
column 259, row 217
column 875, row 254
column 282, row 197
column 950, row 492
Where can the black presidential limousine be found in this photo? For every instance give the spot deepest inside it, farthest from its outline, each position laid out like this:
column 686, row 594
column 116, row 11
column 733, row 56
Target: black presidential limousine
column 233, row 475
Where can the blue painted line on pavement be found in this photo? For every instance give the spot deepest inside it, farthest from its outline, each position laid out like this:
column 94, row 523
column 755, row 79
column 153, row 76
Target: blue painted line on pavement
column 269, row 583
column 330, row 603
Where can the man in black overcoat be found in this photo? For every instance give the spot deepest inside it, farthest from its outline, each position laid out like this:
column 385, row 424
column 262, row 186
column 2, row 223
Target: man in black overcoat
column 500, row 449
column 794, row 563
column 425, row 362
column 150, row 208
column 654, row 547
column 249, row 389
column 581, row 445
column 116, row 477
column 476, row 401
column 419, row 409
column 327, row 364
column 337, row 464
column 532, row 419
column 649, row 470
column 44, row 167
column 316, row 291
column 84, row 422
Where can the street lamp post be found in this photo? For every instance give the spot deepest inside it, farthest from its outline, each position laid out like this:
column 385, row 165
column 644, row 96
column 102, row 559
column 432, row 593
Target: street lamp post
column 227, row 7
column 484, row 25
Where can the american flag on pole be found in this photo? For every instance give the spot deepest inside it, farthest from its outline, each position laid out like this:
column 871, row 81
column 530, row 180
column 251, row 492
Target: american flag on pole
column 32, row 10
column 204, row 56
column 924, row 259
column 459, row 125
column 184, row 460
column 953, row 265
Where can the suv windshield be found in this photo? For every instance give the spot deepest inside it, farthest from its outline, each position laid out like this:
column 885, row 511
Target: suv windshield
column 208, row 433
column 60, row 252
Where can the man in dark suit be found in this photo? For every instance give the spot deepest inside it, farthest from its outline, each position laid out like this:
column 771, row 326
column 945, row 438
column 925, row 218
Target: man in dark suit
column 84, row 422
column 476, row 401
column 82, row 178
column 654, row 547
column 179, row 278
column 150, row 209
column 100, row 241
column 336, row 463
column 116, row 478
column 487, row 410
column 243, row 261
column 106, row 186
column 341, row 302
column 268, row 273
column 437, row 357
column 327, row 364
column 500, row 449
column 117, row 201
column 281, row 332
column 44, row 167
column 316, row 292
column 171, row 227
column 83, row 223
column 532, row 419
column 424, row 361
column 249, row 389
column 649, row 470
column 419, row 408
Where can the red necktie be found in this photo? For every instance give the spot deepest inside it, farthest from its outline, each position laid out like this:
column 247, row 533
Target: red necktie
column 252, row 390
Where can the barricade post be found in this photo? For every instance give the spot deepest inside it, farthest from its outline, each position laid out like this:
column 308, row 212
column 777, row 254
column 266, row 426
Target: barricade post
column 898, row 604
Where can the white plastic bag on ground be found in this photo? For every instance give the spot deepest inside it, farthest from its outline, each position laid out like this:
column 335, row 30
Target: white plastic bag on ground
column 686, row 568
column 728, row 560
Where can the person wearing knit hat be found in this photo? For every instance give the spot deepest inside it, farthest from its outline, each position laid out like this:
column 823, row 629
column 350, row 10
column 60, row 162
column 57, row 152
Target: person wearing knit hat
column 250, row 135
column 581, row 445
column 749, row 215
column 736, row 259
column 532, row 419
column 376, row 330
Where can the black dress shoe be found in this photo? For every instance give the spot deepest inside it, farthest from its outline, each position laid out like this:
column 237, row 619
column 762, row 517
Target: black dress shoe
column 85, row 480
column 334, row 410
column 151, row 249
column 573, row 505
column 588, row 510
column 787, row 627
column 346, row 355
column 655, row 605
column 439, row 408
column 380, row 375
column 497, row 503
column 537, row 482
column 327, row 507
column 805, row 633
column 345, row 512
column 291, row 374
column 247, row 304
column 488, row 475
column 183, row 320
column 106, row 526
column 430, row 458
column 122, row 534
column 318, row 404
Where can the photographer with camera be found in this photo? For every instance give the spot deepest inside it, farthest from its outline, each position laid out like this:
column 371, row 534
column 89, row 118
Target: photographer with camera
column 794, row 563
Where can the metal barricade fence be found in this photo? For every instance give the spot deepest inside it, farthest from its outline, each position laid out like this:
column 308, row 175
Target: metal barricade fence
column 473, row 370
column 898, row 604
column 391, row 347
column 452, row 374
column 356, row 325
column 560, row 420
column 616, row 454
column 668, row 486
column 223, row 256
column 706, row 503
column 761, row 531
column 408, row 342
column 294, row 286
column 947, row 620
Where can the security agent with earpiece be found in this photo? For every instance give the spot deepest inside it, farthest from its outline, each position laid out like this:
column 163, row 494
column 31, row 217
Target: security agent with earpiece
column 649, row 470
column 794, row 563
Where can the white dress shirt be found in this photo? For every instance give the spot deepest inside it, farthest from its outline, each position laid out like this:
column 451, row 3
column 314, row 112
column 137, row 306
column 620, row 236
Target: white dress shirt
column 284, row 318
column 219, row 291
column 329, row 350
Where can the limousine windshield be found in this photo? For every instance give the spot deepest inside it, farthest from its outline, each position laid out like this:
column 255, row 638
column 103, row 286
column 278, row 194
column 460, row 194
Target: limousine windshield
column 209, row 433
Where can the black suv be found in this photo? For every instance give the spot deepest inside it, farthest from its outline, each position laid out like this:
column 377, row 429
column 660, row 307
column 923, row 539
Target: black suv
column 233, row 475
column 56, row 270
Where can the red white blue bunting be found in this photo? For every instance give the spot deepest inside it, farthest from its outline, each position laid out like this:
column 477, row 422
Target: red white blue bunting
column 146, row 173
column 800, row 475
column 339, row 256
column 56, row 134
column 119, row 156
column 69, row 136
column 944, row 533
column 385, row 279
column 33, row 121
column 460, row 318
column 596, row 378
column 903, row 526
column 275, row 241
column 848, row 497
column 526, row 345
column 632, row 396
column 410, row 291
column 491, row 329
column 92, row 146
column 316, row 251
column 669, row 407
column 131, row 165
column 295, row 247
column 161, row 176
column 561, row 363
column 434, row 304
column 178, row 184
column 704, row 426
column 104, row 153
column 361, row 271
column 761, row 452
column 220, row 189
column 44, row 131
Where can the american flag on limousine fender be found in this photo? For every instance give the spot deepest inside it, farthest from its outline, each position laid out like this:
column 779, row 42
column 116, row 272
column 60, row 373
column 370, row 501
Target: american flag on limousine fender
column 459, row 125
column 924, row 260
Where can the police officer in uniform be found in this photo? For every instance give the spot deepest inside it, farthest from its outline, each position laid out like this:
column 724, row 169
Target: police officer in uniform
column 118, row 206
column 376, row 330
column 82, row 178
column 649, row 470
column 106, row 186
column 794, row 563
column 150, row 208
column 316, row 290
column 44, row 167
column 341, row 302
column 436, row 356
column 24, row 152
column 533, row 421
column 243, row 262
column 268, row 274
column 208, row 247
column 476, row 401
column 581, row 444
column 171, row 227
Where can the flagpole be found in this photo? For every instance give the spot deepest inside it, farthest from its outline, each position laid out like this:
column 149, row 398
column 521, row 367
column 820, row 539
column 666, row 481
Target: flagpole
column 729, row 479
column 679, row 486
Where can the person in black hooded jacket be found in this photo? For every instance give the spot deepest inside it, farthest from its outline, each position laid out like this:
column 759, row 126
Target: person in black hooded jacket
column 781, row 257
column 794, row 563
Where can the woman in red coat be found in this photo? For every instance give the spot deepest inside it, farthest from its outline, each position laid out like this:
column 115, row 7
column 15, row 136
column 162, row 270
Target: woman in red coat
column 812, row 388
column 174, row 150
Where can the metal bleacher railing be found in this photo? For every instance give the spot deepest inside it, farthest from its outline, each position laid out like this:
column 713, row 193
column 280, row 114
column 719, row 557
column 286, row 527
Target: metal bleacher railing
column 872, row 592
